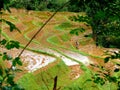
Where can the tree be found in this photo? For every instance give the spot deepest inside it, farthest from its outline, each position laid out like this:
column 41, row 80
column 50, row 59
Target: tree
column 50, row 5
column 104, row 18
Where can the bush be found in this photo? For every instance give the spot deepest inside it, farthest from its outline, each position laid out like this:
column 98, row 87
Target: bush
column 51, row 5
column 104, row 17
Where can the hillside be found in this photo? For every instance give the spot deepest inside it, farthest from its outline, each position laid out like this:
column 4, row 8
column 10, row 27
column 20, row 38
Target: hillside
column 54, row 51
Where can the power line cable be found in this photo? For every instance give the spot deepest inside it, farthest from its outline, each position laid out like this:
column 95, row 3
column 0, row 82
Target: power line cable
column 42, row 28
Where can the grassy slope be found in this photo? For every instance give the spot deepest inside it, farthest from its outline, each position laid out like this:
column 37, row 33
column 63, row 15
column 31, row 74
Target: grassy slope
column 46, row 77
column 84, row 83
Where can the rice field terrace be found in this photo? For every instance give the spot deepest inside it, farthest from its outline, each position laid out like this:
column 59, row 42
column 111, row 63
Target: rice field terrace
column 54, row 51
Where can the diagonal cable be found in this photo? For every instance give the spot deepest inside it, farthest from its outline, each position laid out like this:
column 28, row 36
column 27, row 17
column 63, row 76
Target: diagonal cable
column 42, row 28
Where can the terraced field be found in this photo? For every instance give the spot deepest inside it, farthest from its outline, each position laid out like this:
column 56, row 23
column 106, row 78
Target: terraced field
column 53, row 49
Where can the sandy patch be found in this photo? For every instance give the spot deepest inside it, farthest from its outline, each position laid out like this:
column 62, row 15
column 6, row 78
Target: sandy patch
column 71, row 54
column 35, row 61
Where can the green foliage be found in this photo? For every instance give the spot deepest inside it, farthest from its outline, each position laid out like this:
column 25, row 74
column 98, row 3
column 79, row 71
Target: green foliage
column 4, row 4
column 99, row 79
column 77, row 30
column 6, row 57
column 51, row 5
column 16, row 61
column 10, row 44
column 11, row 25
column 3, row 42
column 104, row 17
column 106, row 59
column 112, row 55
column 7, row 73
column 80, row 18
column 105, row 75
column 54, row 4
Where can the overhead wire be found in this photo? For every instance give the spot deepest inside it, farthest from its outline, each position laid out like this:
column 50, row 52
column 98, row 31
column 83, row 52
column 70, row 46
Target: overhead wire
column 41, row 28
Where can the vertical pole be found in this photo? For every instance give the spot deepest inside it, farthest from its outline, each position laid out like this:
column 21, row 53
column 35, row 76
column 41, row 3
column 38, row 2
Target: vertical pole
column 55, row 83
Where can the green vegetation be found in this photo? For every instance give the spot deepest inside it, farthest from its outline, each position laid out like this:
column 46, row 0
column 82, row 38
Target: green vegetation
column 30, row 83
column 65, row 37
column 63, row 26
column 103, row 16
column 50, row 5
column 45, row 78
column 7, row 72
column 77, row 31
